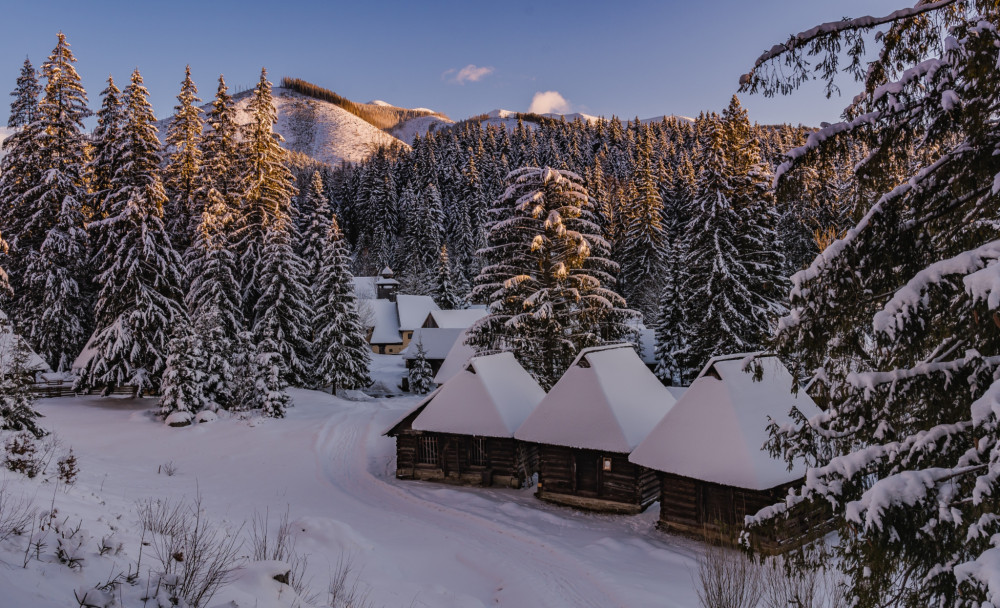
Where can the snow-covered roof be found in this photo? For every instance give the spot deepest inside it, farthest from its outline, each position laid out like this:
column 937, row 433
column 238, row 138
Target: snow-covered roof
column 9, row 341
column 490, row 397
column 718, row 428
column 607, row 400
column 436, row 341
column 456, row 358
column 413, row 310
column 383, row 320
column 364, row 288
column 455, row 318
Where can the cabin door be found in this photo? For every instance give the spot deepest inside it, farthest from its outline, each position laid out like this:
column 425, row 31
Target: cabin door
column 587, row 472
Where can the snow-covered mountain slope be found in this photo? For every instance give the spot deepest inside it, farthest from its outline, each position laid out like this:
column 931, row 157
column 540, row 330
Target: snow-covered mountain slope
column 319, row 129
column 408, row 130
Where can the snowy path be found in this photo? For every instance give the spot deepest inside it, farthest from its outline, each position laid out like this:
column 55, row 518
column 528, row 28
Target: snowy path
column 414, row 543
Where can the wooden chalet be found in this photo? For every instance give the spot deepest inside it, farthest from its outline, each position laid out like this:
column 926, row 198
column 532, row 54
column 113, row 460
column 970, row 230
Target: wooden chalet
column 587, row 425
column 463, row 432
column 708, row 452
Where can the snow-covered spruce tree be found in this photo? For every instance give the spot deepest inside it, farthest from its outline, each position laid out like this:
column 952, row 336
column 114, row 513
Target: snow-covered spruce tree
column 421, row 375
column 673, row 334
column 140, row 281
column 341, row 354
column 183, row 163
column 19, row 167
column 268, row 188
column 726, row 316
column 52, row 246
column 17, row 411
column 760, row 253
column 445, row 294
column 897, row 320
column 214, row 298
column 422, row 237
column 316, row 231
column 546, row 277
column 104, row 158
column 282, row 312
column 643, row 242
column 270, row 370
column 183, row 378
column 247, row 374
column 221, row 162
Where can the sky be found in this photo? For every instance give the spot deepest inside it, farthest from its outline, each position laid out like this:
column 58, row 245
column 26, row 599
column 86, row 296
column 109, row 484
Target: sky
column 626, row 58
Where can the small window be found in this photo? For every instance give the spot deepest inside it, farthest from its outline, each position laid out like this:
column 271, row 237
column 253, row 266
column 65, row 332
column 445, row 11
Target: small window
column 606, row 463
column 477, row 452
column 428, row 452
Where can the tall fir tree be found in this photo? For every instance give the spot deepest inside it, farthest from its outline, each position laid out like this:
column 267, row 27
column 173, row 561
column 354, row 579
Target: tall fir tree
column 267, row 191
column 105, row 160
column 673, row 334
column 445, row 293
column 183, row 377
column 896, row 321
column 140, row 293
column 421, row 375
column 282, row 313
column 546, row 278
column 183, row 163
column 52, row 244
column 340, row 351
column 725, row 315
column 643, row 240
column 17, row 409
column 316, row 233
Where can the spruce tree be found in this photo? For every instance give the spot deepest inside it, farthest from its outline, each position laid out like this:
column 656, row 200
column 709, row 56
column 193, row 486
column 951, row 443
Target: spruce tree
column 341, row 352
column 183, row 378
column 726, row 317
column 421, row 375
column 270, row 369
column 267, row 193
column 282, row 312
column 183, row 163
column 546, row 278
column 24, row 108
column 643, row 240
column 105, row 159
column 17, row 411
column 316, row 231
column 673, row 333
column 896, row 320
column 445, row 294
column 214, row 298
column 52, row 245
column 140, row 282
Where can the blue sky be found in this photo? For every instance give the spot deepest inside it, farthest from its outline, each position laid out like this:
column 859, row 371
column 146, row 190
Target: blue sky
column 630, row 58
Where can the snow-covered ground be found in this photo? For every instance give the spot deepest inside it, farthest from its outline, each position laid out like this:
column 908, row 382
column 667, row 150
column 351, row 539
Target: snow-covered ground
column 408, row 130
column 327, row 464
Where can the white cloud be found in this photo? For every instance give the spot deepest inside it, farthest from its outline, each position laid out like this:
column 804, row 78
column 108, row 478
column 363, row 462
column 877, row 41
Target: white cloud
column 548, row 102
column 470, row 73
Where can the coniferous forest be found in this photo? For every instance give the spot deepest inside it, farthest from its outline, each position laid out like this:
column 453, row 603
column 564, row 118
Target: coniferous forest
column 196, row 260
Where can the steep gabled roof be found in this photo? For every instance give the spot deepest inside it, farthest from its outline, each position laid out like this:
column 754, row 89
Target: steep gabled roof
column 383, row 319
column 459, row 319
column 456, row 359
column 718, row 427
column 491, row 397
column 413, row 310
column 437, row 342
column 607, row 400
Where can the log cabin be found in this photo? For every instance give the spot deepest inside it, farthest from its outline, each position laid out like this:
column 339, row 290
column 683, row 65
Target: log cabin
column 586, row 426
column 463, row 432
column 708, row 451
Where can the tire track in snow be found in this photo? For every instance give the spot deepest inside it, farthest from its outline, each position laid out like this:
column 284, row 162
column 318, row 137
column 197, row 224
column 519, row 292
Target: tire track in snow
column 342, row 452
